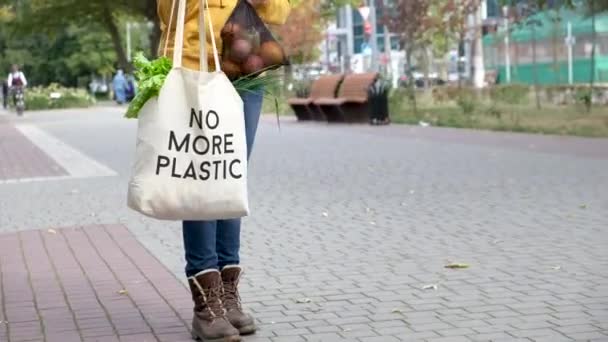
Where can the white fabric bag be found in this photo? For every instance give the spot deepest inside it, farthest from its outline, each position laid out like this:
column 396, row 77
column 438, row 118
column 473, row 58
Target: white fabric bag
column 191, row 153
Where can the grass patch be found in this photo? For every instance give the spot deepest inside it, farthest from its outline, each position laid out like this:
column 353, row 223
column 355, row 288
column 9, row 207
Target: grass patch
column 507, row 109
column 551, row 119
column 500, row 112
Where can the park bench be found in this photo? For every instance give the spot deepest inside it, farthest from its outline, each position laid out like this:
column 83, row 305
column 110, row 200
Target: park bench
column 352, row 102
column 323, row 87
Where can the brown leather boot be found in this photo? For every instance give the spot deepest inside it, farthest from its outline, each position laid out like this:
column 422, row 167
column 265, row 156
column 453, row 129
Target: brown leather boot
column 232, row 301
column 210, row 323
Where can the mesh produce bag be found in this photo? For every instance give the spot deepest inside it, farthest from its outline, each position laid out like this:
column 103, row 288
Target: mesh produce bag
column 248, row 45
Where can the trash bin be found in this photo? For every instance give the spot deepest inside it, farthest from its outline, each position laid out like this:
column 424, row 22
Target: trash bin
column 378, row 100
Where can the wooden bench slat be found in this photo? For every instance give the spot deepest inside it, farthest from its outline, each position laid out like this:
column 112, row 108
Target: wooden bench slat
column 299, row 101
column 329, row 101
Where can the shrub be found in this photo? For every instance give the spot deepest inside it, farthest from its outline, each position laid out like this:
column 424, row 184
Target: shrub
column 440, row 94
column 398, row 99
column 301, row 89
column 511, row 93
column 583, row 96
column 57, row 97
column 467, row 103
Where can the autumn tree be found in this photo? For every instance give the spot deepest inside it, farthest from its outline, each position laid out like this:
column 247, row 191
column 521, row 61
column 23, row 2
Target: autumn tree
column 408, row 19
column 303, row 32
column 455, row 13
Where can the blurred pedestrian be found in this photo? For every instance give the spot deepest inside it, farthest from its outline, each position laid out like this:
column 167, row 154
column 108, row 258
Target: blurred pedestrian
column 131, row 89
column 119, row 85
column 212, row 247
column 4, row 94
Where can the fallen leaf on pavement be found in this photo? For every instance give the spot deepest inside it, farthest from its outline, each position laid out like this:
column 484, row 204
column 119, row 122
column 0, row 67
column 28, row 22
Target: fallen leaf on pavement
column 457, row 265
column 52, row 231
column 123, row 292
column 430, row 287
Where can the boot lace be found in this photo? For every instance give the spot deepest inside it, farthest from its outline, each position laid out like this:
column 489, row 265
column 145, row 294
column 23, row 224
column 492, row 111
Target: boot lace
column 232, row 299
column 214, row 302
column 211, row 300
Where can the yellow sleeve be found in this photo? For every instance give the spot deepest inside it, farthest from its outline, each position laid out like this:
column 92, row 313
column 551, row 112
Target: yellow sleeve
column 274, row 12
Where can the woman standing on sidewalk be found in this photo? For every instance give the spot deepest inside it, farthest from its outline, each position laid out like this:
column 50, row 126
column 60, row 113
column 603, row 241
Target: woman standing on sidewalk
column 212, row 247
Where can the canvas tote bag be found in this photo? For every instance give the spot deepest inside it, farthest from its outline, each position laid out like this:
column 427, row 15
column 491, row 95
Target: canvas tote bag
column 191, row 152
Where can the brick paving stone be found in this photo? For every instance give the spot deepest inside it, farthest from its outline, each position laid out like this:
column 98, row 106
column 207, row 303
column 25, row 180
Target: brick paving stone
column 380, row 339
column 64, row 285
column 324, row 337
column 22, row 159
column 450, row 339
column 287, row 339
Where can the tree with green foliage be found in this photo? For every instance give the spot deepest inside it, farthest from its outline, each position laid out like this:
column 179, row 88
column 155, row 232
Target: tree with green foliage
column 69, row 56
column 54, row 16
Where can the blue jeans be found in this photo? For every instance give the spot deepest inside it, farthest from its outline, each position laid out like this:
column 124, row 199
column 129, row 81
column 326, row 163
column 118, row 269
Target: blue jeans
column 215, row 244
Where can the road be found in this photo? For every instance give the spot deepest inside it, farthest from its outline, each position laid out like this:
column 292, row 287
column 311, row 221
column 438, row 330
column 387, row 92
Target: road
column 351, row 227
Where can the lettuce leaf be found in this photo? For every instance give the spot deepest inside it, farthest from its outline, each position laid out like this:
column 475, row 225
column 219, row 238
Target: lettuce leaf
column 151, row 76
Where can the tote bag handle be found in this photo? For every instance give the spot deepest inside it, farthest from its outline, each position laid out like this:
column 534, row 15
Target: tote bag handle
column 203, row 39
column 178, row 49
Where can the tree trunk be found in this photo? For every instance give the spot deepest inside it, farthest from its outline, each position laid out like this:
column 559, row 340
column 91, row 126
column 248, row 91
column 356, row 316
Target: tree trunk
column 110, row 24
column 155, row 35
column 410, row 78
column 479, row 77
column 460, row 44
column 555, row 44
column 535, row 67
column 427, row 68
column 593, row 42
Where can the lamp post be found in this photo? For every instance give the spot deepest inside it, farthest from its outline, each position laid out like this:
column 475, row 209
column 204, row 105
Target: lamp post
column 505, row 11
column 368, row 13
column 373, row 36
column 570, row 41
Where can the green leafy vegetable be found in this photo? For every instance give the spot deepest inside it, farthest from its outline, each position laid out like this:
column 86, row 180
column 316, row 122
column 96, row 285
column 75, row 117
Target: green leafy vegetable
column 151, row 76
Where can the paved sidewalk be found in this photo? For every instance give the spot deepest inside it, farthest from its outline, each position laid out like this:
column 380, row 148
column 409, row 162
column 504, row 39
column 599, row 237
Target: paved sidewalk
column 351, row 227
column 20, row 159
column 87, row 284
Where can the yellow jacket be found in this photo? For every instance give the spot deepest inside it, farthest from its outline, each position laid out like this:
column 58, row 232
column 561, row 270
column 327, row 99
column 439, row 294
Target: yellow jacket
column 273, row 12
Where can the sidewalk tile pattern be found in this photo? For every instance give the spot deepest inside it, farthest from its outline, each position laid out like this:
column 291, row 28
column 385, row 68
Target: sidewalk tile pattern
column 21, row 159
column 95, row 283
